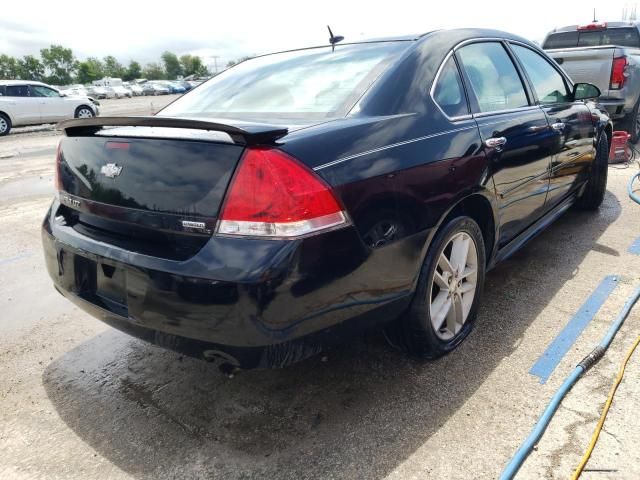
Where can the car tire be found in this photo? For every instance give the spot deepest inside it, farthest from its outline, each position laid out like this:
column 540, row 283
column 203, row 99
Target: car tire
column 5, row 125
column 83, row 111
column 417, row 331
column 593, row 193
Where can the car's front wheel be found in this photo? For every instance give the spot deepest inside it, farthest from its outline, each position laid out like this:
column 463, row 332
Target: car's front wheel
column 5, row 125
column 593, row 193
column 84, row 112
column 446, row 300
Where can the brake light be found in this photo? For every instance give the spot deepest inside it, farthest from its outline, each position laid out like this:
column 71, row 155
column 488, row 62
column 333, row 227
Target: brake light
column 58, row 179
column 272, row 195
column 618, row 73
column 593, row 26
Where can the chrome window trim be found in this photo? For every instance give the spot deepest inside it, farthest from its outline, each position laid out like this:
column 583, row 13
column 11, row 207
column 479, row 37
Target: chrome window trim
column 509, row 110
column 434, row 84
column 393, row 145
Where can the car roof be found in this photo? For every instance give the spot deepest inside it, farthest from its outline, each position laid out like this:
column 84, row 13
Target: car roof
column 573, row 28
column 22, row 82
column 452, row 36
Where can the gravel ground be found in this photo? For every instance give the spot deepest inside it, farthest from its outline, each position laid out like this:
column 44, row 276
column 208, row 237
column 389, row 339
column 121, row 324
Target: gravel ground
column 80, row 400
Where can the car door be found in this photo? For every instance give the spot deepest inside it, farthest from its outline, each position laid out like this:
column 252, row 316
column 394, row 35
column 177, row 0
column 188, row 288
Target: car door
column 53, row 107
column 572, row 127
column 514, row 131
column 24, row 109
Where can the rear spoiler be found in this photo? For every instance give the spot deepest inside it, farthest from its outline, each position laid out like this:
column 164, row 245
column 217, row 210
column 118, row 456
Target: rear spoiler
column 245, row 133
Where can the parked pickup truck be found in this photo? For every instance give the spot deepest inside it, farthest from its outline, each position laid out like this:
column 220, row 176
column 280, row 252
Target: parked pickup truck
column 608, row 56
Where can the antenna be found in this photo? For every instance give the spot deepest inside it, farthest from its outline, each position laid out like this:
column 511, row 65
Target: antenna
column 594, row 16
column 333, row 39
column 633, row 13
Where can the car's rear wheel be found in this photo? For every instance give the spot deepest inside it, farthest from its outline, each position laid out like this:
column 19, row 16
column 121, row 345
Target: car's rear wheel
column 84, row 112
column 5, row 125
column 446, row 300
column 593, row 193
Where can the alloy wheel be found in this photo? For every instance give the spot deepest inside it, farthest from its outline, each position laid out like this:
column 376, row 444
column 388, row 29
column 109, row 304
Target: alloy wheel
column 453, row 286
column 3, row 125
column 85, row 113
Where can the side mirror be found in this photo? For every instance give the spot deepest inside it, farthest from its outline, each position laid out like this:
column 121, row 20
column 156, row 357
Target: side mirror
column 585, row 91
column 62, row 94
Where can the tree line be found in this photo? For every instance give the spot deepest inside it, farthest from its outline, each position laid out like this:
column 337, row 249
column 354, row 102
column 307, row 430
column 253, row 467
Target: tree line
column 58, row 66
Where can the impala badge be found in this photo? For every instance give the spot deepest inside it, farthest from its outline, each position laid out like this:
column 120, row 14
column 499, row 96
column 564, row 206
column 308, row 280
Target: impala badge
column 195, row 226
column 111, row 170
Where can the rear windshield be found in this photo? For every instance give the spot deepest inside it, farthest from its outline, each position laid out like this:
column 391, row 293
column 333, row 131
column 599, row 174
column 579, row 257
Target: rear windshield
column 316, row 82
column 625, row 37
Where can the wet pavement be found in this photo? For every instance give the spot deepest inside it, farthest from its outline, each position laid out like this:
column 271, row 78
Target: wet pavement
column 80, row 400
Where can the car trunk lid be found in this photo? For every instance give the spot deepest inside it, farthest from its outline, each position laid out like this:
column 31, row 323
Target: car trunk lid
column 150, row 184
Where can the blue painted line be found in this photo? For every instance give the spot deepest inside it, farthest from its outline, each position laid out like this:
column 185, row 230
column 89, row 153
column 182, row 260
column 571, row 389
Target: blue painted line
column 6, row 261
column 549, row 360
column 635, row 247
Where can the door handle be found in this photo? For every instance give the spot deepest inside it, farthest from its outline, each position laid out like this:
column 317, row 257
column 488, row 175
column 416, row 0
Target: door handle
column 558, row 126
column 495, row 142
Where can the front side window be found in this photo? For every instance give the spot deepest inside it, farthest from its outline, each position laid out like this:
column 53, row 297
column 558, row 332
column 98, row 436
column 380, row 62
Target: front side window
column 17, row 91
column 493, row 77
column 40, row 91
column 317, row 82
column 548, row 83
column 448, row 92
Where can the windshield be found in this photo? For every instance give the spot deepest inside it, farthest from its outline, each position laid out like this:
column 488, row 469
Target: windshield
column 316, row 82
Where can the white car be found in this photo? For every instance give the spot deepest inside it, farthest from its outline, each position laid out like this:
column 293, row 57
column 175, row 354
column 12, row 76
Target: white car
column 31, row 103
column 122, row 92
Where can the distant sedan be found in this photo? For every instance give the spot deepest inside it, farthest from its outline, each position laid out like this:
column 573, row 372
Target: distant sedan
column 300, row 197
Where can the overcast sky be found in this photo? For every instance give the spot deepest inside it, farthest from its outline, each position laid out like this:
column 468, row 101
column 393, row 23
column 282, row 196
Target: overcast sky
column 142, row 30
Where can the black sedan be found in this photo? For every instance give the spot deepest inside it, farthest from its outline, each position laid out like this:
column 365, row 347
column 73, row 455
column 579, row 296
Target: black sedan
column 303, row 196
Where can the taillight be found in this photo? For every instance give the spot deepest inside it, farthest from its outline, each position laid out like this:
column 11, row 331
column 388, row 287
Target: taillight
column 272, row 195
column 58, row 179
column 618, row 73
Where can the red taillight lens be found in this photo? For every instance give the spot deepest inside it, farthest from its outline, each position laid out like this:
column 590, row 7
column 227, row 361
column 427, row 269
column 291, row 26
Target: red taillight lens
column 273, row 195
column 618, row 73
column 58, row 179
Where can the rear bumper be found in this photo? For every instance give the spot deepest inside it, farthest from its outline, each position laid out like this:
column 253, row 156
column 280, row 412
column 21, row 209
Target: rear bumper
column 262, row 303
column 615, row 107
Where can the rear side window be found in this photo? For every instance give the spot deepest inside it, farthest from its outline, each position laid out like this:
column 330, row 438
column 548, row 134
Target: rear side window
column 548, row 84
column 493, row 77
column 17, row 90
column 561, row 40
column 448, row 92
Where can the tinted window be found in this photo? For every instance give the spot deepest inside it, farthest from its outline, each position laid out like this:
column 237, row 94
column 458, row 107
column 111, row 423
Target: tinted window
column 17, row 90
column 548, row 84
column 40, row 91
column 561, row 40
column 315, row 82
column 493, row 77
column 448, row 93
column 625, row 37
